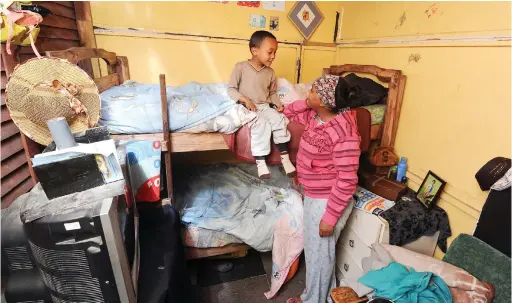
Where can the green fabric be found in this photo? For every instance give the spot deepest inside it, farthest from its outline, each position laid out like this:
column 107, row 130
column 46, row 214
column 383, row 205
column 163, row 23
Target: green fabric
column 377, row 112
column 400, row 285
column 484, row 262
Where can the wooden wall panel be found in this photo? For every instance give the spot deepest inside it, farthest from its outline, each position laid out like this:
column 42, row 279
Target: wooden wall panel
column 58, row 31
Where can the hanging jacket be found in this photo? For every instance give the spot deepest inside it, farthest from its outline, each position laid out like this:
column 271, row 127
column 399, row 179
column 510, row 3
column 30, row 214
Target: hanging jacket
column 370, row 93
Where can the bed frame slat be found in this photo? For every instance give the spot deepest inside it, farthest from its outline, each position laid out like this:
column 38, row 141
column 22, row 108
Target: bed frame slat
column 77, row 54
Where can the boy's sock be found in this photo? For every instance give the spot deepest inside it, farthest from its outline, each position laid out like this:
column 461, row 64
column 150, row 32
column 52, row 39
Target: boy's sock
column 263, row 171
column 282, row 148
column 287, row 165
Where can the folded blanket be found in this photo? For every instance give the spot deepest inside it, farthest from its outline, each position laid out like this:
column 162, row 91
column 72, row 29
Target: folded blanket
column 135, row 108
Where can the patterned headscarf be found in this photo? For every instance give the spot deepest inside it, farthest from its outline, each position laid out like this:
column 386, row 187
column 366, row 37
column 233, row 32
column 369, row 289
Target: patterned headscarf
column 325, row 87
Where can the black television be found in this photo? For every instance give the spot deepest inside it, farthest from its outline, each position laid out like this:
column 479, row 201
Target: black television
column 20, row 277
column 89, row 254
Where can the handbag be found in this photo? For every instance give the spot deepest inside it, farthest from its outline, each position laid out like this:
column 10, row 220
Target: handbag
column 19, row 27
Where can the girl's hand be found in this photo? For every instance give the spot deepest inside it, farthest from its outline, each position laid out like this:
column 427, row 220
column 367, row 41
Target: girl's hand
column 326, row 230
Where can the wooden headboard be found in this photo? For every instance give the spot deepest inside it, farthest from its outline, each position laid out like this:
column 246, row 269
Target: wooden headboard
column 396, row 88
column 117, row 66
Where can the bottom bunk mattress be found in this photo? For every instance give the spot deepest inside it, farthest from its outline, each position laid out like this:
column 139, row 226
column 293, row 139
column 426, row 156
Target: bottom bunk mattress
column 234, row 206
column 194, row 236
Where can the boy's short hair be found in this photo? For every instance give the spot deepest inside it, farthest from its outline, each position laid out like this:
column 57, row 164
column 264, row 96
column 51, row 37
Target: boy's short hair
column 258, row 37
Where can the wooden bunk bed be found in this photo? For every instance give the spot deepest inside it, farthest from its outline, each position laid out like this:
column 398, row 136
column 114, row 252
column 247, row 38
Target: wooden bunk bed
column 118, row 72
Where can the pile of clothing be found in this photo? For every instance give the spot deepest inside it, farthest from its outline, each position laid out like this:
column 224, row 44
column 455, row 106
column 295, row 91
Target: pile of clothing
column 409, row 220
column 401, row 275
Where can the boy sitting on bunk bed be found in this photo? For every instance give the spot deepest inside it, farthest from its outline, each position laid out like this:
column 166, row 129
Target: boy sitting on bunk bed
column 253, row 83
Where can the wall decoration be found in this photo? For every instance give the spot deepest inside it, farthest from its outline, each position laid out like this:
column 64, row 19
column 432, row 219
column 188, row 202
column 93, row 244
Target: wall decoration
column 306, row 16
column 249, row 3
column 258, row 21
column 274, row 23
column 274, row 6
column 430, row 189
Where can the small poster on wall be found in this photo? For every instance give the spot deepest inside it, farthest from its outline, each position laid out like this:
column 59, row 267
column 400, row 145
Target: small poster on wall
column 274, row 23
column 249, row 3
column 274, row 6
column 257, row 21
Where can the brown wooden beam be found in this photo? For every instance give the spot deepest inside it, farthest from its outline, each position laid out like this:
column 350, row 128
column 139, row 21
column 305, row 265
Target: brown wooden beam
column 84, row 24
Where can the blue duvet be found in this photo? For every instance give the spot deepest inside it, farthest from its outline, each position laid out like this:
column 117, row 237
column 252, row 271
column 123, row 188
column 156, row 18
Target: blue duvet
column 134, row 108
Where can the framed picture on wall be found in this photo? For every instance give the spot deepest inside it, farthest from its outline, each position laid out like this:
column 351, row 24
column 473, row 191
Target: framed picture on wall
column 306, row 16
column 430, row 189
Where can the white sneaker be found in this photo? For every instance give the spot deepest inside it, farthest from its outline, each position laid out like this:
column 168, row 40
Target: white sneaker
column 288, row 166
column 263, row 171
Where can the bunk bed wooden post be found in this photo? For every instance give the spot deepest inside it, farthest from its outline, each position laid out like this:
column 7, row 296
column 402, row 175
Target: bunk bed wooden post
column 122, row 69
column 166, row 145
column 398, row 107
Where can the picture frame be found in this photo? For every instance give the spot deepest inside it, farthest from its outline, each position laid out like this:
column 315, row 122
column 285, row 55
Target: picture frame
column 430, row 190
column 306, row 17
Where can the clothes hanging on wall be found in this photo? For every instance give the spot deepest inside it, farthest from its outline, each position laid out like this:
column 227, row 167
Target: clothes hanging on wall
column 493, row 226
column 370, row 92
column 409, row 220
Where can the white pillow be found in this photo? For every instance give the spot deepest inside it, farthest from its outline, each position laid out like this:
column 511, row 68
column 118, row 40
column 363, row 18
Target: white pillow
column 289, row 93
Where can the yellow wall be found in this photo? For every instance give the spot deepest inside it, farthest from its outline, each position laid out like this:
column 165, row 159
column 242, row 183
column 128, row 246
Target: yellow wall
column 456, row 112
column 185, row 59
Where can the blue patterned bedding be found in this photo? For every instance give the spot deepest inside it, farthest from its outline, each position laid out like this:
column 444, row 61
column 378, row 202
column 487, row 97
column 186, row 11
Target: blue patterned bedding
column 135, row 108
column 225, row 198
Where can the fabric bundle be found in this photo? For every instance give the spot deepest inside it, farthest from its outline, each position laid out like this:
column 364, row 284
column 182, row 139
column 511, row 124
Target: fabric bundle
column 404, row 276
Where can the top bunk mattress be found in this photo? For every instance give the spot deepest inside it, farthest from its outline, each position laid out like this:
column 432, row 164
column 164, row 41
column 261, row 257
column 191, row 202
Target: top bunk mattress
column 135, row 108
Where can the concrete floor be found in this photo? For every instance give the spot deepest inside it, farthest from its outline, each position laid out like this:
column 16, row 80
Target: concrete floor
column 252, row 290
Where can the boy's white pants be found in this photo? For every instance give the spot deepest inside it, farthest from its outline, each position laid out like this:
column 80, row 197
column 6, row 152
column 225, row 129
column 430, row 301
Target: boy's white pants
column 269, row 123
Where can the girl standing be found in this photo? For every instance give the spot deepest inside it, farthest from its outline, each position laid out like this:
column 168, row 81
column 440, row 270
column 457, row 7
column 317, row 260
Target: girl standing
column 327, row 164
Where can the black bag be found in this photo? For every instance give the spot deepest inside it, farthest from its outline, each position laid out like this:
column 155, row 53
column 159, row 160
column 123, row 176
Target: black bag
column 370, row 93
column 163, row 275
